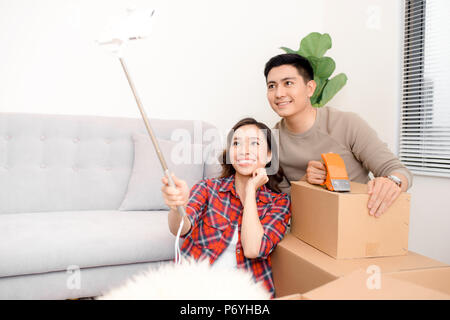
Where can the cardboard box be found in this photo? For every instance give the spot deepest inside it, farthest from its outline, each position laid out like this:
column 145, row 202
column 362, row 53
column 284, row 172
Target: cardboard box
column 434, row 278
column 339, row 224
column 295, row 296
column 299, row 268
column 360, row 285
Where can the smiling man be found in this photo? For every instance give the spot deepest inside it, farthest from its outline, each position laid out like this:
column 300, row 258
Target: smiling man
column 307, row 132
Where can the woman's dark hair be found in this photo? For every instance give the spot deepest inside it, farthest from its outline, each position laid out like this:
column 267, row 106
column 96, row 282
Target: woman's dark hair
column 227, row 167
column 302, row 65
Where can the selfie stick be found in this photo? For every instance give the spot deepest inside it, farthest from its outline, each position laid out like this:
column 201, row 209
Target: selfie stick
column 135, row 27
column 180, row 209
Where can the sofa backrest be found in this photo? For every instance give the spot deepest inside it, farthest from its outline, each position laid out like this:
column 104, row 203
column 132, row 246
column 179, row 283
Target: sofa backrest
column 72, row 162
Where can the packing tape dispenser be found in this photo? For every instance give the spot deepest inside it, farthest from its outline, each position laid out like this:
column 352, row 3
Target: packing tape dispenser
column 337, row 178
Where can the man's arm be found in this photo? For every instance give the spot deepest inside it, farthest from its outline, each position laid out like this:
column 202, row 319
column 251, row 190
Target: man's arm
column 404, row 179
column 377, row 158
column 373, row 153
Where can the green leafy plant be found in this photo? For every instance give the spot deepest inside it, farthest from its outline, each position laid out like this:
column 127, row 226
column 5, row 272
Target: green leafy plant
column 313, row 48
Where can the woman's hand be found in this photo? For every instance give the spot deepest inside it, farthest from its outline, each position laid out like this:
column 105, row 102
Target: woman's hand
column 316, row 172
column 258, row 179
column 175, row 196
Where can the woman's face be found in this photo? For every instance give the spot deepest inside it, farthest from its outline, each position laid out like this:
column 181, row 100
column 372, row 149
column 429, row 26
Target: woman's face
column 249, row 150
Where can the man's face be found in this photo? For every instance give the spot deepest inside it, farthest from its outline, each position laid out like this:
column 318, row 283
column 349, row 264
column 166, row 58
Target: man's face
column 287, row 92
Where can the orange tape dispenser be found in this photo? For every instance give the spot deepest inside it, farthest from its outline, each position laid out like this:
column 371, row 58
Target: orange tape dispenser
column 337, row 178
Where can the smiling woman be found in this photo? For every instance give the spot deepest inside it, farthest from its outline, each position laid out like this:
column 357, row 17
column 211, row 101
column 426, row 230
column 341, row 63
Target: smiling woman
column 235, row 221
column 262, row 146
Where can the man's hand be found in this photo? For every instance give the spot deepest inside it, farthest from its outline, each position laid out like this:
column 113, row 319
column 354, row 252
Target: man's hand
column 382, row 194
column 316, row 172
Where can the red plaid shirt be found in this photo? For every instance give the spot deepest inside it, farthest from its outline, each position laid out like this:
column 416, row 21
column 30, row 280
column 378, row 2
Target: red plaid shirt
column 214, row 208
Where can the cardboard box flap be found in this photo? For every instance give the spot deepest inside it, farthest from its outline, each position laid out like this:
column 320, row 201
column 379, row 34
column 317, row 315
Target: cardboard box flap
column 433, row 278
column 358, row 188
column 355, row 187
column 360, row 285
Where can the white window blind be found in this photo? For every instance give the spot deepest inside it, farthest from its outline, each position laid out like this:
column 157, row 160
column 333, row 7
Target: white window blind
column 425, row 111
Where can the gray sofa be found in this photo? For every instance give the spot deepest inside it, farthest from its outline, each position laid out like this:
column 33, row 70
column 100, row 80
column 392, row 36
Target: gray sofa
column 69, row 225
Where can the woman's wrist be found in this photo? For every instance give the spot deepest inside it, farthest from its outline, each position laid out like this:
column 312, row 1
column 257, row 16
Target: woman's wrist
column 250, row 187
column 175, row 220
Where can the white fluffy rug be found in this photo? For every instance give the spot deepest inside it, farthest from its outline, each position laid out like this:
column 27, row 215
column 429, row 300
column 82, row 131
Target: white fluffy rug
column 190, row 281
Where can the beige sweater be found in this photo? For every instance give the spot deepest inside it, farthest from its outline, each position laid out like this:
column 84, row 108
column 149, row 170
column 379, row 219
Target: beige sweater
column 340, row 132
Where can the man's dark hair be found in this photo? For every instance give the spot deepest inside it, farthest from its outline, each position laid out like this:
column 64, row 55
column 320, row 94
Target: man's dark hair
column 300, row 63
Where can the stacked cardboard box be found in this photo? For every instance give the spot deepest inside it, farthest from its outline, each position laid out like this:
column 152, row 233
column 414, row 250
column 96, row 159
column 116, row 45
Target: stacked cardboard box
column 298, row 267
column 339, row 224
column 358, row 286
column 332, row 236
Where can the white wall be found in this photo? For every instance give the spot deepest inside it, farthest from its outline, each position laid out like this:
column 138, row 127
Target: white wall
column 367, row 46
column 205, row 60
column 430, row 217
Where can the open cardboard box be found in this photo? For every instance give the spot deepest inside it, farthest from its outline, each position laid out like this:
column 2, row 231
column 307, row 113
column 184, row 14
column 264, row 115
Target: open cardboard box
column 434, row 278
column 295, row 296
column 429, row 283
column 298, row 267
column 359, row 285
column 339, row 224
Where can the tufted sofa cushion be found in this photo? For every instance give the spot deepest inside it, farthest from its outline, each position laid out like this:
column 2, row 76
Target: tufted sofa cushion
column 67, row 163
column 42, row 242
column 141, row 193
